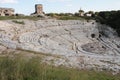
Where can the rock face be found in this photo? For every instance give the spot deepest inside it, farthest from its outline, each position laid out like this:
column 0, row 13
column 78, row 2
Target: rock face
column 6, row 11
column 80, row 44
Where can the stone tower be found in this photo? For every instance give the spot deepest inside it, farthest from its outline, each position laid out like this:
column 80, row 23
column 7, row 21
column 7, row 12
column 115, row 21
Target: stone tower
column 38, row 9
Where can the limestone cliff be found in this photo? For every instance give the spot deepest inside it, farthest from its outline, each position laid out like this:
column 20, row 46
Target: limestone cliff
column 81, row 44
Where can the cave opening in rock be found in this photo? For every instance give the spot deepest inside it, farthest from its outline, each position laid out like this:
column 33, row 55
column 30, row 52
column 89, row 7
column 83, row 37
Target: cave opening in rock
column 93, row 35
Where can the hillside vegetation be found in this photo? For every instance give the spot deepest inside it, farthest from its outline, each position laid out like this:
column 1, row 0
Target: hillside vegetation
column 20, row 68
column 18, row 17
column 111, row 18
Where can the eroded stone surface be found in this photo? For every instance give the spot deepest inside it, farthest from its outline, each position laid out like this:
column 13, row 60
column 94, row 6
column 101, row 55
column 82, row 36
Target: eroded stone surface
column 78, row 43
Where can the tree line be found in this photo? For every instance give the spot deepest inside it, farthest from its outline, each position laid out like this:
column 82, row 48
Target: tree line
column 111, row 18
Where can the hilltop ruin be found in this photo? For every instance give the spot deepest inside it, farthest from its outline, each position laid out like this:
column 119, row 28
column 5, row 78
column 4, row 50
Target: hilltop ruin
column 38, row 10
column 7, row 11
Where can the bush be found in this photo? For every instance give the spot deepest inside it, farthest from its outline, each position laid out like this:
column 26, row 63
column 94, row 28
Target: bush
column 18, row 22
column 70, row 18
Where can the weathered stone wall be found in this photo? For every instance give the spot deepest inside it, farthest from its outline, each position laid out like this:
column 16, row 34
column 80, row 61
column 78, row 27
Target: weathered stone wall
column 6, row 11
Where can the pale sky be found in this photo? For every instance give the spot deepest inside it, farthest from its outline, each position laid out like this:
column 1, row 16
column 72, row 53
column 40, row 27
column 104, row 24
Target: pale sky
column 59, row 6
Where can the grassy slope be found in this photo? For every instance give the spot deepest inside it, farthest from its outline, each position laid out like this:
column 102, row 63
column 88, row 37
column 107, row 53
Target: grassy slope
column 20, row 68
column 73, row 18
column 18, row 17
column 38, row 18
